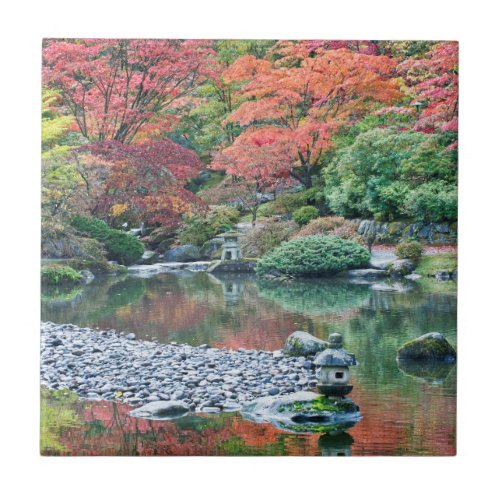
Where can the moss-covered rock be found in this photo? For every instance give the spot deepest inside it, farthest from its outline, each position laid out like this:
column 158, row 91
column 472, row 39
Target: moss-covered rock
column 303, row 412
column 431, row 346
column 303, row 344
column 59, row 275
column 97, row 266
column 60, row 241
column 401, row 267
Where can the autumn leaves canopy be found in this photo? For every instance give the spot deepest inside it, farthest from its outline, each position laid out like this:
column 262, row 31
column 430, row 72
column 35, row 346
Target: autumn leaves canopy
column 266, row 113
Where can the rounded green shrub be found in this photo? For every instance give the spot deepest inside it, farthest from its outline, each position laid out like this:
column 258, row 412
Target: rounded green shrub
column 409, row 250
column 57, row 275
column 314, row 256
column 120, row 246
column 123, row 248
column 305, row 214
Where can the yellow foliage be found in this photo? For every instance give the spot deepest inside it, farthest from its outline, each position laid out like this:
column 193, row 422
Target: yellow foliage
column 118, row 209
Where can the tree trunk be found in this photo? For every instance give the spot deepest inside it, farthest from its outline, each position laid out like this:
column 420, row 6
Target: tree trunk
column 254, row 215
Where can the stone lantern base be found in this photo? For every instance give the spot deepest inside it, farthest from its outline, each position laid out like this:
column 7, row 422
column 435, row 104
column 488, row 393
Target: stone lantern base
column 334, row 390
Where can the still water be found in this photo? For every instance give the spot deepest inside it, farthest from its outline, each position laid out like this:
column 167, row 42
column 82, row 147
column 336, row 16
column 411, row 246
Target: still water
column 408, row 412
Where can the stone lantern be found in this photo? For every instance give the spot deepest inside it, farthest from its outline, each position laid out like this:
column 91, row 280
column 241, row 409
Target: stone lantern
column 333, row 363
column 230, row 248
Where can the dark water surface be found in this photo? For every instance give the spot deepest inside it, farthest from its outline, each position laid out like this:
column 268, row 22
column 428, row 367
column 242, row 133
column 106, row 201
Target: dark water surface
column 404, row 413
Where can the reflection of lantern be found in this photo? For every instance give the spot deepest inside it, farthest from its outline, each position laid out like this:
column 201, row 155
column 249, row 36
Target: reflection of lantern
column 231, row 291
column 333, row 366
column 230, row 248
column 336, row 445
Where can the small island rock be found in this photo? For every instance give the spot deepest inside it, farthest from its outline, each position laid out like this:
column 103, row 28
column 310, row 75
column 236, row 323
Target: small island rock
column 431, row 346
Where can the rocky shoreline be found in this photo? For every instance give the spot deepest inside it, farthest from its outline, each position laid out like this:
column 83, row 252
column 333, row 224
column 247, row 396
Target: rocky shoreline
column 111, row 365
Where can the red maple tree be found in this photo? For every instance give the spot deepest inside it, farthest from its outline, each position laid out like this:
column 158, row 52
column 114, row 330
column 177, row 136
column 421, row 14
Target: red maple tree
column 148, row 179
column 116, row 88
column 259, row 160
column 433, row 82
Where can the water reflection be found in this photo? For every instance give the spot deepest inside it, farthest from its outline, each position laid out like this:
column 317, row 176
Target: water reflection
column 336, row 445
column 435, row 372
column 404, row 412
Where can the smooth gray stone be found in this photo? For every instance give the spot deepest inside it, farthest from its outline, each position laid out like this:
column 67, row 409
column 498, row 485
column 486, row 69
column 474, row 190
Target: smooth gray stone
column 161, row 410
column 303, row 344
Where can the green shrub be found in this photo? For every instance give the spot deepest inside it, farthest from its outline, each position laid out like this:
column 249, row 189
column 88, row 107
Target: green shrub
column 288, row 203
column 222, row 218
column 386, row 174
column 332, row 226
column 314, row 256
column 261, row 240
column 120, row 246
column 197, row 230
column 56, row 275
column 304, row 215
column 409, row 250
column 433, row 202
column 194, row 231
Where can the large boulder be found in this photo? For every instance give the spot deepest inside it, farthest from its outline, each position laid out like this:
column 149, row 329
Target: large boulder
column 303, row 344
column 232, row 266
column 303, row 412
column 431, row 346
column 401, row 267
column 182, row 253
column 211, row 249
column 161, row 410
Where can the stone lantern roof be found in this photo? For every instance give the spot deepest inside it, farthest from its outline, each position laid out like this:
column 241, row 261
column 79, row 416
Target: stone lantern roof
column 335, row 355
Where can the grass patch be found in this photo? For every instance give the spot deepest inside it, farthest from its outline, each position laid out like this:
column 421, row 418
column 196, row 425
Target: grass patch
column 57, row 275
column 428, row 265
column 320, row 404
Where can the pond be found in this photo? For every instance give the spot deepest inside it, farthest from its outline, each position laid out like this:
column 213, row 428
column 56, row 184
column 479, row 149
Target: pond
column 409, row 412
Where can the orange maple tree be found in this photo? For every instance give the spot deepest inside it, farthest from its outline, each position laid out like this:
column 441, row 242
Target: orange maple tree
column 300, row 101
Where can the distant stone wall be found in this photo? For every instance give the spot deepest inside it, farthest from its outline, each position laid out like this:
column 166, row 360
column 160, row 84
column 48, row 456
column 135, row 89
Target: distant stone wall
column 393, row 232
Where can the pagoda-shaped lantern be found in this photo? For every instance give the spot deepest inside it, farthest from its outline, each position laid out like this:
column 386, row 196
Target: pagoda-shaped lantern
column 333, row 363
column 230, row 248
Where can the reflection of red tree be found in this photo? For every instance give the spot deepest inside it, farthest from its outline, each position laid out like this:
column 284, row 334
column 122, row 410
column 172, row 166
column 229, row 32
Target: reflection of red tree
column 396, row 426
column 169, row 312
column 109, row 430
column 263, row 333
column 261, row 435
